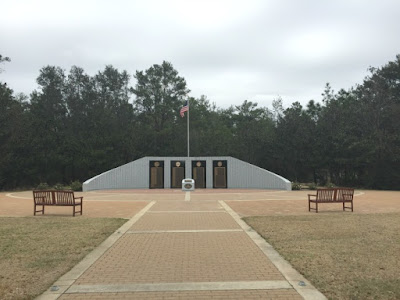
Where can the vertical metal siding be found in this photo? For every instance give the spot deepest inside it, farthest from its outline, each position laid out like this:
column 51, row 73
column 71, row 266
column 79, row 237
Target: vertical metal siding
column 135, row 175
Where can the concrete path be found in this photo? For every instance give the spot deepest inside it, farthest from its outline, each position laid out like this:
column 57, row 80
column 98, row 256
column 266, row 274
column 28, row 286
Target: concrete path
column 183, row 249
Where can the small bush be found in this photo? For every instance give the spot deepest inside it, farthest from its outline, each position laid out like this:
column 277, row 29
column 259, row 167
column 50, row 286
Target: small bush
column 58, row 186
column 312, row 186
column 43, row 186
column 296, row 186
column 76, row 186
column 330, row 185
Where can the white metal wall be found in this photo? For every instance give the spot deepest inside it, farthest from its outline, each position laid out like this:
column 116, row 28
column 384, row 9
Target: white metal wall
column 135, row 175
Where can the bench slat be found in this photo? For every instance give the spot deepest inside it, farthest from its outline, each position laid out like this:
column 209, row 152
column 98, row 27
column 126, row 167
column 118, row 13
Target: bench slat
column 325, row 195
column 64, row 198
column 42, row 197
column 345, row 194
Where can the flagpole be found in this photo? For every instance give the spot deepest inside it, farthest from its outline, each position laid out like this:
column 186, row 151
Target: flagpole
column 188, row 152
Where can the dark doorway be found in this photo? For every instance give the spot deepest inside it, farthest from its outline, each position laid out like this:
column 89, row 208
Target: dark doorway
column 220, row 174
column 177, row 173
column 199, row 173
column 156, row 174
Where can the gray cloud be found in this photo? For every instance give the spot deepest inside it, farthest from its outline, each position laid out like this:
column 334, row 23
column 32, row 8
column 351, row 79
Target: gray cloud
column 227, row 50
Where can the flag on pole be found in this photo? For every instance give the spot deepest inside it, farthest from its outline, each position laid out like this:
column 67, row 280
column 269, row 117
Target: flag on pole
column 184, row 109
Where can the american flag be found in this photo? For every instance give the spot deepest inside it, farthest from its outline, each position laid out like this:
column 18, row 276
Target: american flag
column 184, row 108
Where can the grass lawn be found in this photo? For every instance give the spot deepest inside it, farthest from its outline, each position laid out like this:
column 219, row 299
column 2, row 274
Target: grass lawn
column 345, row 255
column 36, row 251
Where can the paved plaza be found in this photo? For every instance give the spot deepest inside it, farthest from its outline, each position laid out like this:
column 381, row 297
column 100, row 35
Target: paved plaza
column 187, row 245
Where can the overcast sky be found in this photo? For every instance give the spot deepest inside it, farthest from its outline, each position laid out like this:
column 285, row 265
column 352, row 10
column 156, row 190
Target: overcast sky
column 230, row 51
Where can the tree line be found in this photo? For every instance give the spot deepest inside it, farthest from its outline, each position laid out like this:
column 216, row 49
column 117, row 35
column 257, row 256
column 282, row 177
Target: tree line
column 75, row 126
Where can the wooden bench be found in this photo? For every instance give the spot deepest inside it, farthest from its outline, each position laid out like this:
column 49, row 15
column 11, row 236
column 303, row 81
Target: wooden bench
column 334, row 195
column 56, row 198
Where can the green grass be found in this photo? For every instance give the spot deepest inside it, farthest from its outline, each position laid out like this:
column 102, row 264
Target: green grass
column 345, row 255
column 36, row 251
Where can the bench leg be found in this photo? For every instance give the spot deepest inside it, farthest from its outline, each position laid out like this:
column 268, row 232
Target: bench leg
column 74, row 211
column 311, row 208
column 351, row 206
column 79, row 211
column 35, row 210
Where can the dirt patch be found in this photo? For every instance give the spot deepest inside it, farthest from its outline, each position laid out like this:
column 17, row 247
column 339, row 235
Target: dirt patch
column 20, row 204
column 296, row 203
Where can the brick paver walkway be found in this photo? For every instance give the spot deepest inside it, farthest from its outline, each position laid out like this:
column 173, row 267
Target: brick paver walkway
column 180, row 249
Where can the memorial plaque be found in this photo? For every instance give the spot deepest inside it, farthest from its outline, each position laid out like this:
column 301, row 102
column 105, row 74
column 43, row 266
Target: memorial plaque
column 156, row 174
column 199, row 173
column 220, row 174
column 177, row 173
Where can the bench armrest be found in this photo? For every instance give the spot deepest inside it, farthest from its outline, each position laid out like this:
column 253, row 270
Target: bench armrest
column 78, row 198
column 310, row 195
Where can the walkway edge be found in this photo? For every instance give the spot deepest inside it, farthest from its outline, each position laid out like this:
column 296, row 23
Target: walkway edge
column 299, row 283
column 68, row 279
